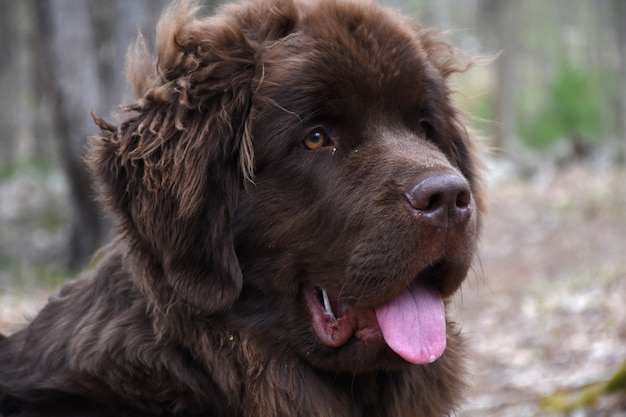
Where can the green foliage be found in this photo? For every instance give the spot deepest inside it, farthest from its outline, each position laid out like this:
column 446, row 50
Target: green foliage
column 38, row 166
column 566, row 401
column 571, row 110
column 617, row 382
column 52, row 219
column 481, row 111
column 30, row 275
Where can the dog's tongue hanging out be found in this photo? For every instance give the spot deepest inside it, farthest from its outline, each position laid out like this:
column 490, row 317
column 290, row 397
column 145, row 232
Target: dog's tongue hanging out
column 414, row 325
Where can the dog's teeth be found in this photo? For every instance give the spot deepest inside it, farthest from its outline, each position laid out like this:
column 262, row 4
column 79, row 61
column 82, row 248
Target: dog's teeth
column 328, row 310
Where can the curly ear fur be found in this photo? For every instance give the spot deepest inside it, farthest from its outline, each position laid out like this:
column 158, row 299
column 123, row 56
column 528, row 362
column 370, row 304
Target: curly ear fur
column 173, row 170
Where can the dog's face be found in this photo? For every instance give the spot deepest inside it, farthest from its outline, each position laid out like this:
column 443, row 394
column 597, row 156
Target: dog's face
column 363, row 211
column 351, row 122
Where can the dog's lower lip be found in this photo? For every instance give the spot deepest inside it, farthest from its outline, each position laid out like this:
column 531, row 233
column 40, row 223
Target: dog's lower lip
column 336, row 323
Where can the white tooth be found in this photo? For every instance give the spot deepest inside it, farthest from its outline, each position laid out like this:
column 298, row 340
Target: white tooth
column 327, row 307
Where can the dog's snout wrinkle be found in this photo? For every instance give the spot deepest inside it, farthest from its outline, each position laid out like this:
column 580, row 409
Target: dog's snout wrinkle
column 441, row 199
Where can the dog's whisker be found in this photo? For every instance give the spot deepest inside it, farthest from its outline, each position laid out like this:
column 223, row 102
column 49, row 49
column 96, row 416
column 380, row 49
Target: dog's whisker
column 274, row 103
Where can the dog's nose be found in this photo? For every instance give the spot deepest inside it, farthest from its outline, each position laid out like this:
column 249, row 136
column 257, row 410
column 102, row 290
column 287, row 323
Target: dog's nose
column 441, row 199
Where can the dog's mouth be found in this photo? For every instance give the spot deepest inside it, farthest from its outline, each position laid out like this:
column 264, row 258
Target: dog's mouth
column 412, row 324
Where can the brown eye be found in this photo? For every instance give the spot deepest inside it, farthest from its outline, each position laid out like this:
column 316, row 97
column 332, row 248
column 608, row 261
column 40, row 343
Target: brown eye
column 315, row 140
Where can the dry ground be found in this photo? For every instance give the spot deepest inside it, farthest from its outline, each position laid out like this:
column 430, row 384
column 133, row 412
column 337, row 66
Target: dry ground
column 544, row 309
column 547, row 308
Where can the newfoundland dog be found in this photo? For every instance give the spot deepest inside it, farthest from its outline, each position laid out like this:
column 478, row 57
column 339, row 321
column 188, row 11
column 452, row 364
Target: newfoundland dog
column 296, row 200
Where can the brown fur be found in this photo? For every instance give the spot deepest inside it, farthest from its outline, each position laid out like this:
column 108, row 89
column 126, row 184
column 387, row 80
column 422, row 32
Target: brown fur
column 225, row 218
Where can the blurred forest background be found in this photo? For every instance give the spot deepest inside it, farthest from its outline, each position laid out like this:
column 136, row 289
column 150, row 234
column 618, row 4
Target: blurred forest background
column 545, row 310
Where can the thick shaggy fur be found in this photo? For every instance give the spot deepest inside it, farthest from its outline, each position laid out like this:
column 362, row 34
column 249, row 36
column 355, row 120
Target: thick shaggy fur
column 276, row 149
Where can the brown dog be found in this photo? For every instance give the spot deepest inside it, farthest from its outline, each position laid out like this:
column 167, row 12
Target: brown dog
column 296, row 199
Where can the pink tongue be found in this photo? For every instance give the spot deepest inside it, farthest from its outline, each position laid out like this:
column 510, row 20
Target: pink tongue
column 414, row 325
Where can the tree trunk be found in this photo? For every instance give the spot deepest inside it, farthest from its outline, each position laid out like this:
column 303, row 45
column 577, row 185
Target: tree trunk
column 18, row 116
column 507, row 20
column 69, row 74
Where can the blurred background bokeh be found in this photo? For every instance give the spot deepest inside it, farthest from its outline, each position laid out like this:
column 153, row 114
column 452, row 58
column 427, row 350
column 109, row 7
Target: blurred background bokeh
column 544, row 309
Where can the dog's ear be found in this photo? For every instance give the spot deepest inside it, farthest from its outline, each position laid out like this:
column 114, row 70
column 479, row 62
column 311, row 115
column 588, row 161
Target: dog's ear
column 172, row 171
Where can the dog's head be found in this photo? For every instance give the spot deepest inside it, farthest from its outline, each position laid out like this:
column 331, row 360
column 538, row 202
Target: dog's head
column 301, row 166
